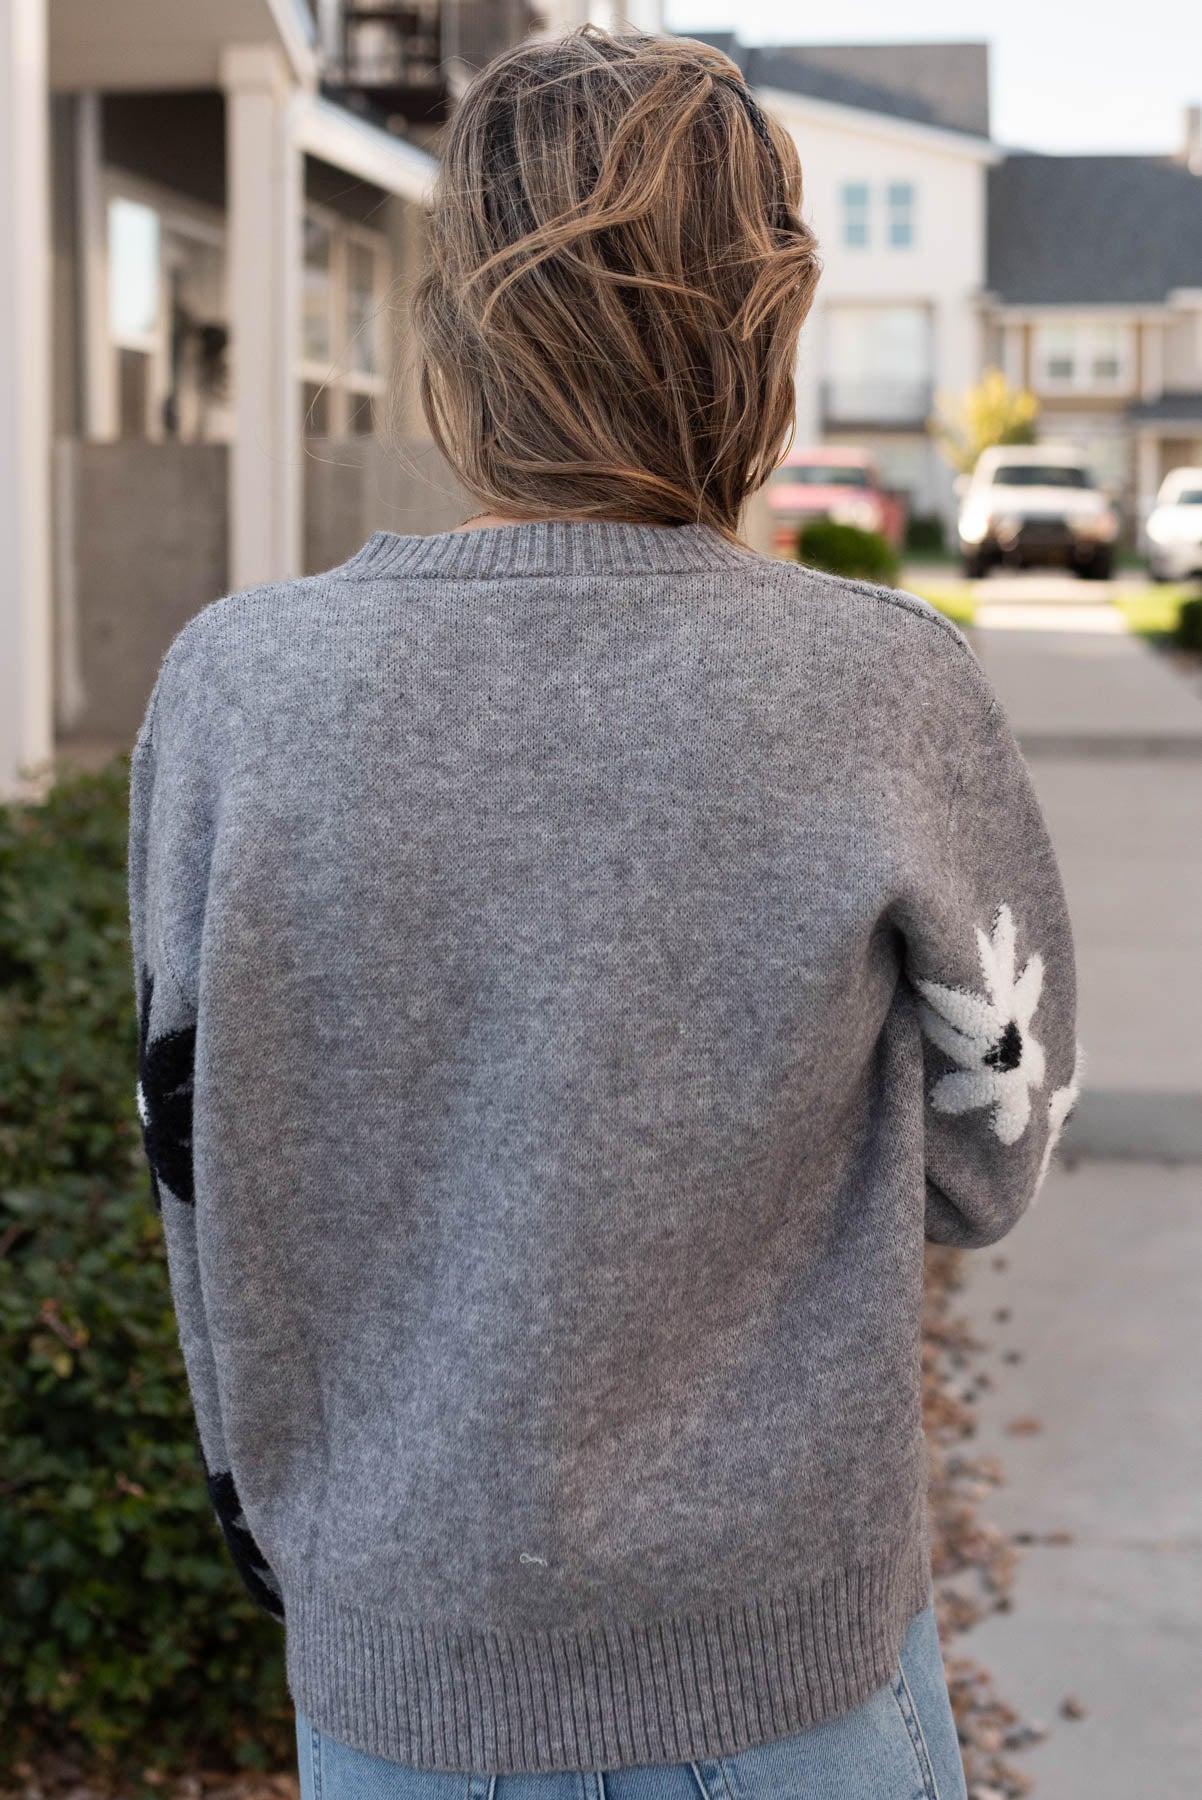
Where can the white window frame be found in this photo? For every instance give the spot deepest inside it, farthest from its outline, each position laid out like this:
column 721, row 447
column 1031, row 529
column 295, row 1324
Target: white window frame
column 342, row 382
column 184, row 218
column 848, row 211
column 899, row 211
column 1084, row 330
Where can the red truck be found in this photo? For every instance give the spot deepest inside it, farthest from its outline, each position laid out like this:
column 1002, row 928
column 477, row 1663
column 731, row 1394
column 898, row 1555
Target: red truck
column 832, row 483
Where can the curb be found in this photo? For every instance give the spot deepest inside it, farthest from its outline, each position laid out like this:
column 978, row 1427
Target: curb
column 1135, row 1125
column 1049, row 744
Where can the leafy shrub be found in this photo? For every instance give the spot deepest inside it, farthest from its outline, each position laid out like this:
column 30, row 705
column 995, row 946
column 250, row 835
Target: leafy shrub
column 846, row 550
column 121, row 1604
column 925, row 534
column 1189, row 623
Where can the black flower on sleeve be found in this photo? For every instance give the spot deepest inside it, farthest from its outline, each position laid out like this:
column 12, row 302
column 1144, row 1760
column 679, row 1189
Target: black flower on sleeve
column 258, row 1578
column 164, row 1094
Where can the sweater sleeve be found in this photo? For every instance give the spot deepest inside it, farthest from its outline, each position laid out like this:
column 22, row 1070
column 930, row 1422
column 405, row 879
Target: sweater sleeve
column 169, row 832
column 991, row 960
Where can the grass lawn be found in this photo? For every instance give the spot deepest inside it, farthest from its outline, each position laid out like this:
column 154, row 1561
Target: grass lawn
column 955, row 600
column 1153, row 611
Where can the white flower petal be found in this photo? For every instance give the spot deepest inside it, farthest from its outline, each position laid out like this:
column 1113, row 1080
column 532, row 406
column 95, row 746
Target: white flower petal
column 1027, row 989
column 991, row 954
column 1060, row 1105
column 963, row 1050
column 969, row 1013
column 964, row 1089
column 1031, row 1068
column 1013, row 1109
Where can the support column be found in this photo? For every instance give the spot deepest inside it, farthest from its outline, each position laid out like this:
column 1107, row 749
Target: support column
column 99, row 397
column 1152, row 361
column 264, row 199
column 26, row 633
column 1147, row 480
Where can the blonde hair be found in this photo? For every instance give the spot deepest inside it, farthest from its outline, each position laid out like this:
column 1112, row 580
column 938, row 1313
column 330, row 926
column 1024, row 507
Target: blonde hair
column 617, row 274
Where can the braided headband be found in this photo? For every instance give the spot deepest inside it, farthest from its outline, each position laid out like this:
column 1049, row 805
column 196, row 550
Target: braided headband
column 759, row 125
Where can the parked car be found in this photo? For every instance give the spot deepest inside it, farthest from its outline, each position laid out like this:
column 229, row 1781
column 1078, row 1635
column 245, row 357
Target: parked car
column 1035, row 503
column 832, row 483
column 1174, row 527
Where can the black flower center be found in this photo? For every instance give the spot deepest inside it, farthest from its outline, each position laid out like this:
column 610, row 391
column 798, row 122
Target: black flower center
column 1007, row 1053
column 165, row 1071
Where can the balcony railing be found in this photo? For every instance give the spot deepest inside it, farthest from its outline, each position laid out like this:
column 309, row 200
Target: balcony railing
column 877, row 404
column 398, row 60
column 475, row 31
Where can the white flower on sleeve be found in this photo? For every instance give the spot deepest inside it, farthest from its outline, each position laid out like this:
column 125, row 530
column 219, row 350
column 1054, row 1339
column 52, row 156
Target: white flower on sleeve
column 1060, row 1104
column 988, row 1036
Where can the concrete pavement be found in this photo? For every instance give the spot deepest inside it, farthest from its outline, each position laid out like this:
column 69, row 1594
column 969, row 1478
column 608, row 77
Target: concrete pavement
column 1103, row 692
column 1113, row 739
column 1089, row 1311
column 1099, row 1288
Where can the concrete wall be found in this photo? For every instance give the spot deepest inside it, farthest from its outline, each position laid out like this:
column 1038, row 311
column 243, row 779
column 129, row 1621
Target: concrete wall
column 141, row 541
column 142, row 544
column 354, row 486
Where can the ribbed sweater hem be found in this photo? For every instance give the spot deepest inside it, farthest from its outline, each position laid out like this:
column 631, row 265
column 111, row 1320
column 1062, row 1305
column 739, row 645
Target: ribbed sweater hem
column 687, row 1686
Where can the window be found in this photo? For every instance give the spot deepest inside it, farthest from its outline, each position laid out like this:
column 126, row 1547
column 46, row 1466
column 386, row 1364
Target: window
column 317, row 322
column 342, row 368
column 855, row 214
column 900, row 198
column 821, row 475
column 1059, row 353
column 1045, row 475
column 856, row 202
column 362, row 421
column 134, row 280
column 1083, row 354
column 315, row 409
column 879, row 363
column 1106, row 353
column 164, row 310
column 361, row 302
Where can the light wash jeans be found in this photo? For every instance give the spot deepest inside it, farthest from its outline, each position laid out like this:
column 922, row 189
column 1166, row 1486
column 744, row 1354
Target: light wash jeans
column 900, row 1744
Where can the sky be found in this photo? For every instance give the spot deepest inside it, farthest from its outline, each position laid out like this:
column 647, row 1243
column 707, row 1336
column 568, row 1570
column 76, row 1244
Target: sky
column 1064, row 74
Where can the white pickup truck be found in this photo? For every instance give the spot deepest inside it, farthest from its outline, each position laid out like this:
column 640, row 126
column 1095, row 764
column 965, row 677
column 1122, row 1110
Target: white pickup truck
column 1033, row 503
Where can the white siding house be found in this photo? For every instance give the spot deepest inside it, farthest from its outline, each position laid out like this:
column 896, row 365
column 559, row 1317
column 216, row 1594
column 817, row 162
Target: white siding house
column 895, row 149
column 1095, row 303
column 899, row 209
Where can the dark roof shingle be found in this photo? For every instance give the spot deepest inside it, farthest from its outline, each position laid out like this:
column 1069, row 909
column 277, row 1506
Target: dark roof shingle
column 1092, row 229
column 1168, row 409
column 944, row 85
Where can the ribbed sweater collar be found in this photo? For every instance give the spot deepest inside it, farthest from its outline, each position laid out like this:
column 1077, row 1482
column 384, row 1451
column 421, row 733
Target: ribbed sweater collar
column 549, row 547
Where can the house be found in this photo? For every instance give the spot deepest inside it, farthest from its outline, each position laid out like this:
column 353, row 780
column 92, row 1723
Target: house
column 895, row 152
column 209, row 216
column 1094, row 302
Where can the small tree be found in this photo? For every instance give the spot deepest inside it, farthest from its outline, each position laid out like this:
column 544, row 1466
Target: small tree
column 988, row 414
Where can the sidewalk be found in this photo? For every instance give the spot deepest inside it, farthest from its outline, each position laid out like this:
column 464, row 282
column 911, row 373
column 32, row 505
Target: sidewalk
column 1089, row 1310
column 1113, row 739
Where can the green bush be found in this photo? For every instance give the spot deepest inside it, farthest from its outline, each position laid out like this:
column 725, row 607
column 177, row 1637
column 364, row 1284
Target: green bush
column 846, row 550
column 127, row 1634
column 925, row 535
column 1189, row 623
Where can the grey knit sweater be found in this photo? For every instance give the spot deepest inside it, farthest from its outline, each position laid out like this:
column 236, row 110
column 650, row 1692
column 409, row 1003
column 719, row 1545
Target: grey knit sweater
column 577, row 963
